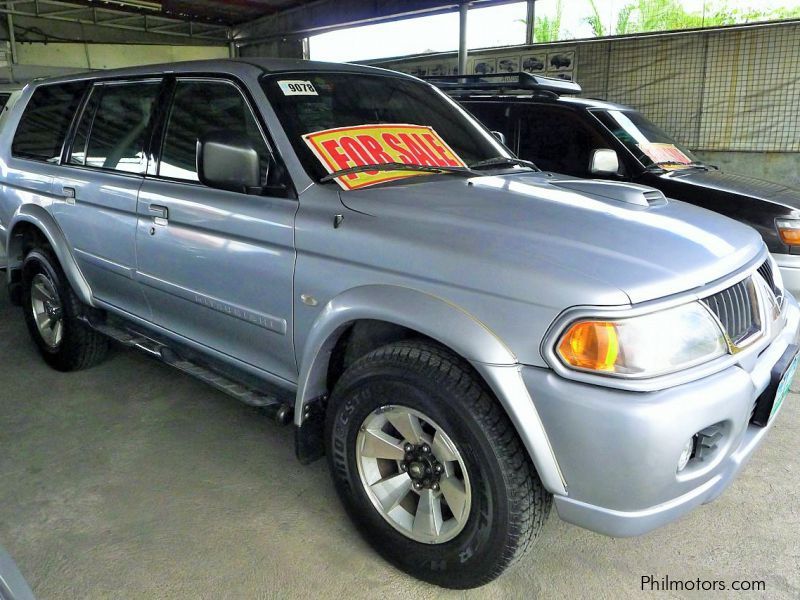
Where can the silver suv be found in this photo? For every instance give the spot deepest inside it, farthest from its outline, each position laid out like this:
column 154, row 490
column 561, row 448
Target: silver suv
column 465, row 337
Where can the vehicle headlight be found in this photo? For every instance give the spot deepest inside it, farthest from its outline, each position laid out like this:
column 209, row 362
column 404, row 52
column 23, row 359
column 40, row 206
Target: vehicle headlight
column 643, row 346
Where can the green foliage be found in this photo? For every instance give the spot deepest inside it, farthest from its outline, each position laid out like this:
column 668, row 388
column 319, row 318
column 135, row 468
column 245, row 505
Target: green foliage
column 595, row 20
column 548, row 29
column 666, row 15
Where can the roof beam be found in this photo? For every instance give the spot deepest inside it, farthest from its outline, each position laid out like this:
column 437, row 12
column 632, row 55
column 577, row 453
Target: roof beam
column 328, row 15
column 101, row 16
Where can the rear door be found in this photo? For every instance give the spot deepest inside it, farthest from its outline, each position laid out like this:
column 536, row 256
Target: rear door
column 99, row 183
column 217, row 266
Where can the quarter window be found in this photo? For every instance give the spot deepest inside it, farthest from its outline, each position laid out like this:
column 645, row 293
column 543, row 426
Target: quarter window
column 114, row 127
column 43, row 127
column 200, row 108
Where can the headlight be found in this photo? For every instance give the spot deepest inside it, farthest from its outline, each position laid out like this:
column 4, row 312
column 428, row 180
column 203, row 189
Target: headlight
column 788, row 231
column 643, row 346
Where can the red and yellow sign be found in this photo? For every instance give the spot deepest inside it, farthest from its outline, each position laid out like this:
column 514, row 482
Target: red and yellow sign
column 668, row 156
column 346, row 147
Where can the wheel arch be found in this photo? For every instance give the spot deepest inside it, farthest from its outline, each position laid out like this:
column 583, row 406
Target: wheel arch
column 443, row 322
column 33, row 219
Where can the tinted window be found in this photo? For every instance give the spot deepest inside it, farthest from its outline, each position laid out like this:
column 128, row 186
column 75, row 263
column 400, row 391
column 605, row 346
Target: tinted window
column 200, row 108
column 44, row 124
column 495, row 116
column 78, row 153
column 557, row 139
column 119, row 128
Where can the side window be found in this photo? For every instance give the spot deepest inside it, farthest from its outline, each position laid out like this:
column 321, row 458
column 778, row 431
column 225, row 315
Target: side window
column 44, row 124
column 114, row 127
column 496, row 116
column 557, row 139
column 200, row 108
column 77, row 154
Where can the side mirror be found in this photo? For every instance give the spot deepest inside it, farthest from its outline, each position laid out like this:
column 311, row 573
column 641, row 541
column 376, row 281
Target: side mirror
column 500, row 136
column 604, row 162
column 227, row 160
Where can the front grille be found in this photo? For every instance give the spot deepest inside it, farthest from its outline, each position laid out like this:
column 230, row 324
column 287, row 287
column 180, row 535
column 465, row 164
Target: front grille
column 737, row 310
column 765, row 270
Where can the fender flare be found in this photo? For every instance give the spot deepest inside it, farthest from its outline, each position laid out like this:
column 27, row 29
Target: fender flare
column 451, row 326
column 48, row 227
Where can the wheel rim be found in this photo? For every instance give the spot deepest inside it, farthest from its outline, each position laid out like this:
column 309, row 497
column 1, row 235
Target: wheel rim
column 414, row 474
column 47, row 310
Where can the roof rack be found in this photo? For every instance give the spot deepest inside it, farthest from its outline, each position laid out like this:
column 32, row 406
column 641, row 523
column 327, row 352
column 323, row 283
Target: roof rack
column 504, row 83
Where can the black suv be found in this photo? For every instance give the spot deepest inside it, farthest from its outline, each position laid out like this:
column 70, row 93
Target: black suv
column 542, row 121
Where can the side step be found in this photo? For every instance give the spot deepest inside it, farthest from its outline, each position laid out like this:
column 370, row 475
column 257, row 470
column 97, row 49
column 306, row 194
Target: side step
column 280, row 411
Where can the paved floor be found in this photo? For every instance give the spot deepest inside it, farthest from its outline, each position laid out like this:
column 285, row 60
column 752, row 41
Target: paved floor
column 134, row 481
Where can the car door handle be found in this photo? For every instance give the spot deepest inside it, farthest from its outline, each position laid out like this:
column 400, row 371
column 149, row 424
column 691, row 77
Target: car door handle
column 69, row 194
column 159, row 211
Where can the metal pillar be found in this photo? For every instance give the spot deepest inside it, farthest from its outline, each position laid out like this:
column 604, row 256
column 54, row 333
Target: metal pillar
column 530, row 22
column 11, row 37
column 463, row 9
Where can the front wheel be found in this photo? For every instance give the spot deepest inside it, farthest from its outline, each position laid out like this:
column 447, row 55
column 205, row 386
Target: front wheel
column 430, row 468
column 52, row 314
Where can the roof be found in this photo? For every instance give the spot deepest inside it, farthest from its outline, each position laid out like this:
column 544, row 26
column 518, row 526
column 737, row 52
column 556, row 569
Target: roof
column 238, row 66
column 222, row 12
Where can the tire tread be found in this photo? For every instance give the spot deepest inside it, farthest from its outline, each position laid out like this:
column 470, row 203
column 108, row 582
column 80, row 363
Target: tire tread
column 529, row 501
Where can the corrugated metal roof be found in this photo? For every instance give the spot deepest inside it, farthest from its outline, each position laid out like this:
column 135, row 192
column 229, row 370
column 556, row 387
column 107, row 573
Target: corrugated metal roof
column 223, row 12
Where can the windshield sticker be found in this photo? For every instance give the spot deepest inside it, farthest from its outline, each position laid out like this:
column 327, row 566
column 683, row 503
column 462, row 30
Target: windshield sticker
column 347, row 147
column 297, row 88
column 666, row 155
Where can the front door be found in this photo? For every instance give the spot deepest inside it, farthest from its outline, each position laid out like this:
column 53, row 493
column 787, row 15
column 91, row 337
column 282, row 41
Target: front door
column 217, row 266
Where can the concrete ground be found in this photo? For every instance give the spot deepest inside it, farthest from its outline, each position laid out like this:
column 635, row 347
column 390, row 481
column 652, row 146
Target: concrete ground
column 132, row 480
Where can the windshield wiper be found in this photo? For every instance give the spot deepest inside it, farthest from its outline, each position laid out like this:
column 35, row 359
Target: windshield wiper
column 503, row 160
column 659, row 166
column 397, row 166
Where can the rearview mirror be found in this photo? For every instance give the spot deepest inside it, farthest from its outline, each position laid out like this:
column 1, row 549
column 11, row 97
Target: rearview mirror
column 500, row 136
column 227, row 160
column 604, row 162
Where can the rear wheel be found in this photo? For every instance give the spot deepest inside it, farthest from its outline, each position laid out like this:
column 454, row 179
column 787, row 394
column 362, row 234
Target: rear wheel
column 430, row 468
column 52, row 312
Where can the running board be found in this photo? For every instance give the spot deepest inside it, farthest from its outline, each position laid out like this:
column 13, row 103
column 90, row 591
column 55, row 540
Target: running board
column 280, row 411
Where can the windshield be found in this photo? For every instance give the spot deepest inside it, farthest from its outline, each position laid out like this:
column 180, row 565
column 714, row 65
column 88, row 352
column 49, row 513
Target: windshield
column 308, row 103
column 649, row 143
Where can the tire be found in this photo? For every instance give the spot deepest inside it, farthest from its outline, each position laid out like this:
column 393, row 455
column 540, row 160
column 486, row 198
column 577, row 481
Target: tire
column 73, row 345
column 507, row 503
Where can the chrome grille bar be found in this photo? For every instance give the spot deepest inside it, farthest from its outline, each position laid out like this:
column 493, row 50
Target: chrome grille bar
column 737, row 310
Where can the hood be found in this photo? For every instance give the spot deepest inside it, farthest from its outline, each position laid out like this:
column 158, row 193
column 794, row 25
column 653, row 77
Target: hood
column 553, row 240
column 758, row 189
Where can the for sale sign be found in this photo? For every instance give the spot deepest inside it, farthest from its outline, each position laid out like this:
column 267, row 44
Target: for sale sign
column 363, row 145
column 665, row 154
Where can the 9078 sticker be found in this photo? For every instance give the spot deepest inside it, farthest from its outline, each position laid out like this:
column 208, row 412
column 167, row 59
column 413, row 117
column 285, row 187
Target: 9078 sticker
column 297, row 88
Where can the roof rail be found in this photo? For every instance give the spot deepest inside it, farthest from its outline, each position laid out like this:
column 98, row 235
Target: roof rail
column 504, row 83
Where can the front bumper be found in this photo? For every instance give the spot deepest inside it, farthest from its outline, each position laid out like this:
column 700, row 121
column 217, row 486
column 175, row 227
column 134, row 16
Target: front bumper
column 618, row 450
column 789, row 265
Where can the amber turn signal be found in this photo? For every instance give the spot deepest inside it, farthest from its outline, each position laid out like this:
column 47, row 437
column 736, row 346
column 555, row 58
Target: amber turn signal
column 789, row 231
column 592, row 345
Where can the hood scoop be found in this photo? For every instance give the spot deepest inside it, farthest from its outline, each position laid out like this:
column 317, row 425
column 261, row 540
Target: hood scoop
column 629, row 193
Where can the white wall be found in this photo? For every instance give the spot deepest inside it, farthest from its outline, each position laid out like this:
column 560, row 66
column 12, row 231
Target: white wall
column 110, row 56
